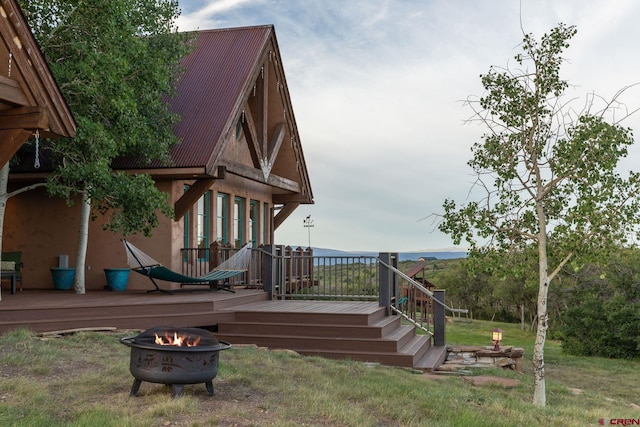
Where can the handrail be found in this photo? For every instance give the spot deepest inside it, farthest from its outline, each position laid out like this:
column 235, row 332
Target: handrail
column 422, row 289
column 411, row 320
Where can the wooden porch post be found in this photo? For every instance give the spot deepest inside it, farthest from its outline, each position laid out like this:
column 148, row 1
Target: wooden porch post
column 394, row 277
column 268, row 269
column 214, row 255
column 384, row 282
column 439, row 319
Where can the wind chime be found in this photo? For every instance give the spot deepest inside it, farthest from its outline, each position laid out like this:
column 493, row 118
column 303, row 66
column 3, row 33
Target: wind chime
column 36, row 162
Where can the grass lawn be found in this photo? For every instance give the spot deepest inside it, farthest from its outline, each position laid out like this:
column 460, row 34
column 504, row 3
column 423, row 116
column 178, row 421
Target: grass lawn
column 84, row 380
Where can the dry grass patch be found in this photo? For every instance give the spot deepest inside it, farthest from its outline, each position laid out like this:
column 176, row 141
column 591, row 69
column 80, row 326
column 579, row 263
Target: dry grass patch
column 83, row 380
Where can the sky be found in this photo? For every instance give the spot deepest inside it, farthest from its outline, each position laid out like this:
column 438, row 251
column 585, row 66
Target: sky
column 378, row 90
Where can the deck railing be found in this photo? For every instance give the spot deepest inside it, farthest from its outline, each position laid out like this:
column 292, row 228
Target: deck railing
column 298, row 274
column 199, row 261
column 287, row 273
column 410, row 299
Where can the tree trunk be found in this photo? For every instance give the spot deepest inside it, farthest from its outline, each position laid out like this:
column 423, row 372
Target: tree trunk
column 82, row 244
column 539, row 387
column 4, row 196
column 523, row 324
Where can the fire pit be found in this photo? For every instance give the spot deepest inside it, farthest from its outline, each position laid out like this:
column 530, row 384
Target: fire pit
column 175, row 357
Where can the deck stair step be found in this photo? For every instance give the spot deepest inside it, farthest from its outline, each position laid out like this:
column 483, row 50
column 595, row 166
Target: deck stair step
column 377, row 329
column 432, row 358
column 392, row 343
column 406, row 357
column 358, row 331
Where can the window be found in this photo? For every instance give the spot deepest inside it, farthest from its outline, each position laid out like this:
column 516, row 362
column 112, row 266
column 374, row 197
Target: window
column 254, row 222
column 265, row 223
column 222, row 229
column 202, row 220
column 185, row 228
column 238, row 221
column 185, row 219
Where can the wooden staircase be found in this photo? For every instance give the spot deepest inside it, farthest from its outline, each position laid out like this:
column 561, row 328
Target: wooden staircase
column 338, row 330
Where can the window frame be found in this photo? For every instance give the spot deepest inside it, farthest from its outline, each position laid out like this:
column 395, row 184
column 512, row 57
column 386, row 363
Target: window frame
column 238, row 221
column 222, row 215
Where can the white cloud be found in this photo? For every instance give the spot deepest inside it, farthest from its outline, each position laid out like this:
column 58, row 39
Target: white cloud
column 377, row 86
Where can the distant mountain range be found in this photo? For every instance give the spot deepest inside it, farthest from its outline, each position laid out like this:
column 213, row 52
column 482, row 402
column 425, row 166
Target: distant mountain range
column 404, row 256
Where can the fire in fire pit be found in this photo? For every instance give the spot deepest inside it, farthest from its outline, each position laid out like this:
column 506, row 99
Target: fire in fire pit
column 174, row 356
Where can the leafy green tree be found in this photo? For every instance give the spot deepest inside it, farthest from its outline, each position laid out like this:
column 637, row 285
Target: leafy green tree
column 467, row 287
column 515, row 286
column 116, row 63
column 549, row 174
column 603, row 311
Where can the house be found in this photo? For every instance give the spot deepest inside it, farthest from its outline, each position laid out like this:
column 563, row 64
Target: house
column 237, row 175
column 30, row 100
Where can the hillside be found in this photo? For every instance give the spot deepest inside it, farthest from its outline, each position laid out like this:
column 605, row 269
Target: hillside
column 404, row 256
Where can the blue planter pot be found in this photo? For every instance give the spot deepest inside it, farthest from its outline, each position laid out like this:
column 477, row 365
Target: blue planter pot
column 117, row 278
column 63, row 278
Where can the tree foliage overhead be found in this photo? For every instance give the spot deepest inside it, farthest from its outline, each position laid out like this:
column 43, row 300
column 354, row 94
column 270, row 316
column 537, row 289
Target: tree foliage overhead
column 549, row 174
column 116, row 63
column 541, row 160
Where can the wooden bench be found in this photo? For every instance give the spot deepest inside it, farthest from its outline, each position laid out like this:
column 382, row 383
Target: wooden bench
column 11, row 268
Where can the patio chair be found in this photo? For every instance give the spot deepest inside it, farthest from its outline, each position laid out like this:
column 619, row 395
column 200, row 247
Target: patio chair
column 11, row 268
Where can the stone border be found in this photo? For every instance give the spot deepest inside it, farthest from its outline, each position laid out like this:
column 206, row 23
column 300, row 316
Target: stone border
column 464, row 357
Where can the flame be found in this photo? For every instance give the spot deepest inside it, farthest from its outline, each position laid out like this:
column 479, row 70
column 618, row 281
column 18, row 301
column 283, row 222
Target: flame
column 176, row 340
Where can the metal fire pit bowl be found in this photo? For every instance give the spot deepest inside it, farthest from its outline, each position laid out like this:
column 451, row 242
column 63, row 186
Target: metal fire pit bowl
column 174, row 365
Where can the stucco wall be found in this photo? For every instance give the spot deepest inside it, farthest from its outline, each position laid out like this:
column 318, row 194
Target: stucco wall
column 44, row 227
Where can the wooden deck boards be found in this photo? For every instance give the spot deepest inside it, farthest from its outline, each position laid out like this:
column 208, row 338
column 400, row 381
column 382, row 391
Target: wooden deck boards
column 47, row 310
column 326, row 307
column 60, row 299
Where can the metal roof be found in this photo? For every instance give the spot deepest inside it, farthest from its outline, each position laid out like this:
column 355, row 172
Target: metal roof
column 217, row 71
column 219, row 75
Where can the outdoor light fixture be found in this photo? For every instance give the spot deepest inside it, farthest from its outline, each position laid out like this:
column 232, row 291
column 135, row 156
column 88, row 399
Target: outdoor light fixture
column 496, row 336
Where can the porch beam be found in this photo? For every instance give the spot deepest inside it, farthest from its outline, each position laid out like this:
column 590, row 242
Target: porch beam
column 276, row 142
column 257, row 176
column 250, row 133
column 24, row 118
column 265, row 106
column 11, row 141
column 11, row 92
column 291, row 198
column 284, row 213
column 191, row 196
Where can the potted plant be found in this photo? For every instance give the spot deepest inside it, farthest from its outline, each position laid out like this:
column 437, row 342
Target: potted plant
column 117, row 278
column 63, row 277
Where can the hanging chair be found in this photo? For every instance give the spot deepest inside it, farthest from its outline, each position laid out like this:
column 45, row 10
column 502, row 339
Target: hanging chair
column 143, row 264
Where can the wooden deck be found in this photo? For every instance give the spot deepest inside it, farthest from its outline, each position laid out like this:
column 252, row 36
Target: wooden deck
column 334, row 329
column 50, row 310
